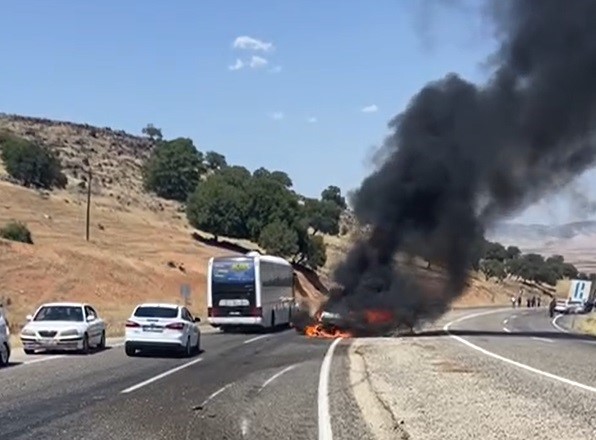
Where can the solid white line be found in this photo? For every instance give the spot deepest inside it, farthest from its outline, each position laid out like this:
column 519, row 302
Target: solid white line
column 542, row 339
column 557, row 326
column 276, row 375
column 511, row 361
column 248, row 341
column 49, row 358
column 325, row 432
column 160, row 376
column 215, row 394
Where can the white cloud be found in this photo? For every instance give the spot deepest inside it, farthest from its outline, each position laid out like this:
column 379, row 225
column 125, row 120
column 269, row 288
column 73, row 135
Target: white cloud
column 249, row 43
column 239, row 64
column 312, row 120
column 257, row 62
column 370, row 108
column 275, row 69
column 277, row 116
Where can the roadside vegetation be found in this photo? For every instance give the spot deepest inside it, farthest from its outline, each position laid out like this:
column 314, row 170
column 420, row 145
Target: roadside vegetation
column 16, row 231
column 498, row 262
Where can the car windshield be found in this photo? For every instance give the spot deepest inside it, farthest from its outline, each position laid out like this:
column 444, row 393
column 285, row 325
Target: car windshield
column 59, row 313
column 156, row 312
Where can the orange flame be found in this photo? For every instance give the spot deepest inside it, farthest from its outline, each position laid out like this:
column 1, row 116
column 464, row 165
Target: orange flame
column 318, row 331
column 378, row 316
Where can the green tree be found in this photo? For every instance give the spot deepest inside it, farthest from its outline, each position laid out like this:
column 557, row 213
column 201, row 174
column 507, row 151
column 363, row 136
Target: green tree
column 173, row 170
column 31, row 164
column 218, row 206
column 555, row 259
column 333, row 194
column 582, row 276
column 548, row 274
column 215, row 161
column 269, row 201
column 261, row 173
column 314, row 252
column 495, row 251
column 282, row 178
column 513, row 252
column 493, row 268
column 569, row 270
column 323, row 216
column 152, row 132
column 279, row 238
column 16, row 231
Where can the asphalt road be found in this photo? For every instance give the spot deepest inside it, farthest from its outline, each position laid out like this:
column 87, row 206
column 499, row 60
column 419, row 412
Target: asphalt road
column 242, row 386
column 522, row 352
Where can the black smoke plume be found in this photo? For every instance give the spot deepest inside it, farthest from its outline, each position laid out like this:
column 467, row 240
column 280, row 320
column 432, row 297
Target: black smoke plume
column 462, row 156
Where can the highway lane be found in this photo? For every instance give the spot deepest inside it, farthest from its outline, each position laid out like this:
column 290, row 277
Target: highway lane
column 242, row 386
column 519, row 350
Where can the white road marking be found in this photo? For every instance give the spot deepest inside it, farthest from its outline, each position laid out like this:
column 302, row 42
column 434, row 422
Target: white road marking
column 276, row 375
column 511, row 361
column 557, row 326
column 248, row 341
column 49, row 358
column 542, row 339
column 506, row 330
column 564, row 330
column 215, row 394
column 160, row 376
column 325, row 432
column 244, row 426
column 505, row 321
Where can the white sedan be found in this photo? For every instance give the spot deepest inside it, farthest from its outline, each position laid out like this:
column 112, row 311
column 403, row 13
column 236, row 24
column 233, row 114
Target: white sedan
column 4, row 340
column 64, row 326
column 162, row 326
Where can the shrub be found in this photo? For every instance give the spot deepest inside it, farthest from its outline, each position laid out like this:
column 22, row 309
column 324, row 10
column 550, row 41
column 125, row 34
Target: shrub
column 16, row 231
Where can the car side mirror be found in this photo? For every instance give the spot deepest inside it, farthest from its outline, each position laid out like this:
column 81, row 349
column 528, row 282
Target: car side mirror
column 197, row 319
column 91, row 318
column 29, row 317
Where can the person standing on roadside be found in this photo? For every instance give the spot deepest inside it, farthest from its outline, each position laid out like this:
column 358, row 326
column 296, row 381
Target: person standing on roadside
column 513, row 301
column 551, row 307
column 538, row 300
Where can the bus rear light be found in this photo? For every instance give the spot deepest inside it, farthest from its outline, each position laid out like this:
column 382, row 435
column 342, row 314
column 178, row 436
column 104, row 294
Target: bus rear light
column 256, row 311
column 213, row 311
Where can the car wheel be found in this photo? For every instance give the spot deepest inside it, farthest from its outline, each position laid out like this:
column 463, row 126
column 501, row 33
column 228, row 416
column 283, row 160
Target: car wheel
column 130, row 350
column 102, row 341
column 197, row 349
column 188, row 348
column 4, row 355
column 29, row 351
column 85, row 349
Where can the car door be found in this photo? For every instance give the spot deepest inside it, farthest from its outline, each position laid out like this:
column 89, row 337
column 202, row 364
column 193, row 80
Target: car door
column 192, row 326
column 95, row 327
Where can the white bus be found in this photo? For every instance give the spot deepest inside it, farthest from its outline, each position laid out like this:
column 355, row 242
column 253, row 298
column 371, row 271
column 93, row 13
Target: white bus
column 249, row 290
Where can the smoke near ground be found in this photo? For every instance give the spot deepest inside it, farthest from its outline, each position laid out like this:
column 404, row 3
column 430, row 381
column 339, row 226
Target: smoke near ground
column 462, row 156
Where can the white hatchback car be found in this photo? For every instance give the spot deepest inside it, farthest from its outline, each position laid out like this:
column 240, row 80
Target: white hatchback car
column 162, row 326
column 64, row 326
column 4, row 340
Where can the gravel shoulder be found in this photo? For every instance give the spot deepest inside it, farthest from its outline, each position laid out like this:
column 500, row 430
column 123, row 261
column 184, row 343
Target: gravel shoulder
column 433, row 387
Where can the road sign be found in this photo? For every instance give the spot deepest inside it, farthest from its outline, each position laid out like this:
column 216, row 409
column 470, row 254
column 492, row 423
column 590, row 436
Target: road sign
column 185, row 292
column 580, row 290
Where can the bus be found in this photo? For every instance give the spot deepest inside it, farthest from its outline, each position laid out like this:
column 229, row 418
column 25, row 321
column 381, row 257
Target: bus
column 250, row 290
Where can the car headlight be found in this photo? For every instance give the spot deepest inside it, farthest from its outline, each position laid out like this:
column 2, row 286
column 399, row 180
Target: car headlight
column 71, row 332
column 27, row 332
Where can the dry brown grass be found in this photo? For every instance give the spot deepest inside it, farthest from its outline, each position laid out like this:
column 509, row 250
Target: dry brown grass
column 588, row 325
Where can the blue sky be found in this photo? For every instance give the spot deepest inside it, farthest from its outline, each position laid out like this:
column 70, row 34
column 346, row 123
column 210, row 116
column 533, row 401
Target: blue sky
column 124, row 64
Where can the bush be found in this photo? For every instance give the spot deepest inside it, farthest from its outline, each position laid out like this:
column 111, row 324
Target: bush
column 31, row 164
column 16, row 231
column 279, row 238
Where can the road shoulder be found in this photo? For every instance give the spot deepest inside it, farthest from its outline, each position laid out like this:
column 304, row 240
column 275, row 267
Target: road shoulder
column 432, row 388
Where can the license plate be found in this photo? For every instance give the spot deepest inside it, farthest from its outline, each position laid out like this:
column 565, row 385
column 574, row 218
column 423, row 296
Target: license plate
column 152, row 329
column 233, row 302
column 49, row 341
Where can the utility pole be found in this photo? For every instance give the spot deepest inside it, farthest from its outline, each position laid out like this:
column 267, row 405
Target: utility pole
column 88, row 203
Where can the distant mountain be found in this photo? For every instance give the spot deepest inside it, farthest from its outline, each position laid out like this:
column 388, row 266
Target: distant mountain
column 512, row 233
